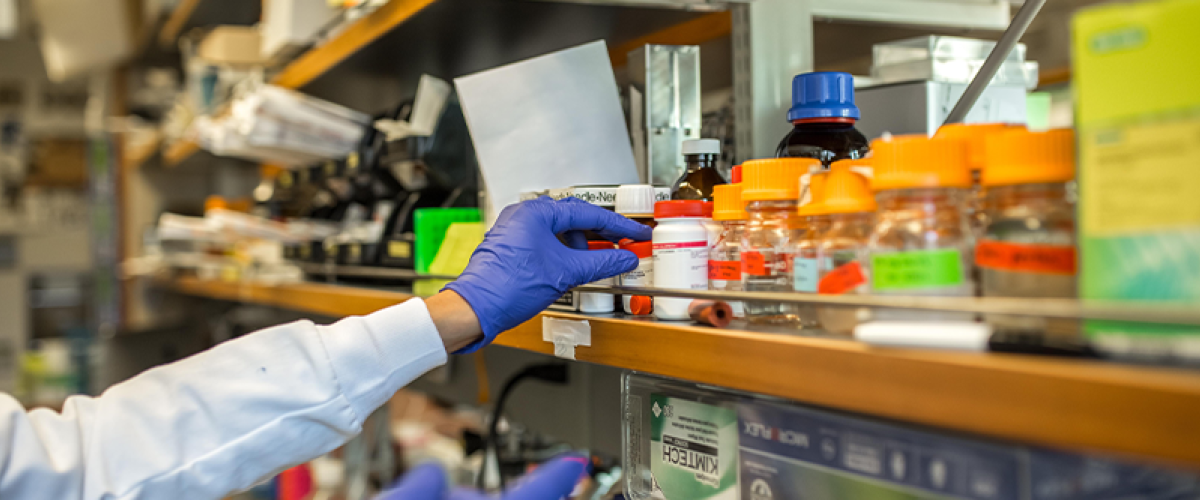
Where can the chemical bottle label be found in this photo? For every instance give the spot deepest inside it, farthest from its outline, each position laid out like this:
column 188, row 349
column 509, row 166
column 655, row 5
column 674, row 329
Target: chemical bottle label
column 759, row 264
column 754, row 264
column 643, row 275
column 842, row 279
column 724, row 270
column 681, row 265
column 916, row 269
column 804, row 275
column 1041, row 259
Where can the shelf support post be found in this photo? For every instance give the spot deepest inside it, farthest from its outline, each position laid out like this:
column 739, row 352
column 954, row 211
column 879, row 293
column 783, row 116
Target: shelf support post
column 772, row 42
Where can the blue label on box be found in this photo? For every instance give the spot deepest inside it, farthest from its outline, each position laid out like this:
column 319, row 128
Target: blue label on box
column 794, row 453
column 1058, row 475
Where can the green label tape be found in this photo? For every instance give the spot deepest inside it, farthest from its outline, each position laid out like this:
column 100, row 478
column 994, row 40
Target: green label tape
column 918, row 269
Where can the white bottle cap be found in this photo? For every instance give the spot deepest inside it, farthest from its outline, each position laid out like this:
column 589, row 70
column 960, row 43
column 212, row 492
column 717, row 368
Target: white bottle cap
column 702, row 147
column 635, row 199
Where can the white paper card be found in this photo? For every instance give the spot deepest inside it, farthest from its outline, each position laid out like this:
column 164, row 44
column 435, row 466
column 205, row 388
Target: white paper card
column 548, row 122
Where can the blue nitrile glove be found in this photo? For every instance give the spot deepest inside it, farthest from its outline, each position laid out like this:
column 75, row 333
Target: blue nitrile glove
column 552, row 481
column 521, row 267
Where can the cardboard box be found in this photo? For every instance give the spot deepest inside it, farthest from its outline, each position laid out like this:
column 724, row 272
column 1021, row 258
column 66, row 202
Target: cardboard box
column 1136, row 84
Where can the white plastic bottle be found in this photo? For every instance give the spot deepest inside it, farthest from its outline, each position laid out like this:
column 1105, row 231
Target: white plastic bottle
column 598, row 302
column 680, row 253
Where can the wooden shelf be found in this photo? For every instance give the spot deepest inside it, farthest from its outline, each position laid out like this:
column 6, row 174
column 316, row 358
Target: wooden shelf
column 327, row 300
column 179, row 151
column 135, row 158
column 1149, row 413
column 361, row 33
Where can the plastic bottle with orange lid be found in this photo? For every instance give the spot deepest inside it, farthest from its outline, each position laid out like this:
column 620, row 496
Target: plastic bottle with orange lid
column 771, row 190
column 1028, row 248
column 975, row 135
column 724, row 257
column 922, row 243
column 849, row 208
column 642, row 276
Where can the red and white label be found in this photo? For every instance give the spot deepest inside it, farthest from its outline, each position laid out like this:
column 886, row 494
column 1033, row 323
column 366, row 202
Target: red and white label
column 724, row 270
column 685, row 244
column 754, row 264
column 758, row 264
column 1045, row 259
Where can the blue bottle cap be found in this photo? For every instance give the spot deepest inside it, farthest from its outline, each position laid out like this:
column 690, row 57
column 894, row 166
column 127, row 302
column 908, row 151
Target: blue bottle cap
column 823, row 94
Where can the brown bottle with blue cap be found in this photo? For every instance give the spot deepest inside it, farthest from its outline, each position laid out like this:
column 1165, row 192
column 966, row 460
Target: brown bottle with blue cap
column 823, row 115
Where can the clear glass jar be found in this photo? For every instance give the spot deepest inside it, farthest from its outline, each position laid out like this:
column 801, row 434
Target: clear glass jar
column 725, row 262
column 773, row 228
column 806, row 268
column 922, row 245
column 1028, row 250
column 841, row 254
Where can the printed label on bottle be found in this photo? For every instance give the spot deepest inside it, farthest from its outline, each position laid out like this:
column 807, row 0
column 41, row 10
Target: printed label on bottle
column 642, row 276
column 685, row 244
column 916, row 269
column 754, row 264
column 1046, row 259
column 759, row 264
column 681, row 265
column 724, row 270
column 804, row 275
column 842, row 279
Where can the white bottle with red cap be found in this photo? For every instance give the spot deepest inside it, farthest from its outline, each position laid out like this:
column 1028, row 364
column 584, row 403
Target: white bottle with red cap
column 680, row 253
column 598, row 302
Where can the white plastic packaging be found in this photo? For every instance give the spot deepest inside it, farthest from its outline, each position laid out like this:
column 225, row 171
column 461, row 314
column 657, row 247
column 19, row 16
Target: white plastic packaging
column 680, row 253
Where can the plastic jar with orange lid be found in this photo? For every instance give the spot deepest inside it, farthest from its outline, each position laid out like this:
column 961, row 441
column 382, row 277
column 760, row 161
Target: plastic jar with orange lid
column 1028, row 247
column 849, row 208
column 922, row 243
column 771, row 190
column 975, row 135
column 724, row 257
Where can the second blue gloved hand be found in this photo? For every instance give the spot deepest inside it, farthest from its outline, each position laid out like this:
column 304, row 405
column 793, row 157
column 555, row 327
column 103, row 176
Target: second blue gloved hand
column 521, row 267
column 551, row 481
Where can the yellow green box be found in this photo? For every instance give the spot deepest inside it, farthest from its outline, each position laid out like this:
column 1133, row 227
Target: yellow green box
column 1136, row 80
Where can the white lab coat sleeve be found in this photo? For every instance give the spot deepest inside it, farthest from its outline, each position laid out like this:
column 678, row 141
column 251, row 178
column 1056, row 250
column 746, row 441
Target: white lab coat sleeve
column 222, row 420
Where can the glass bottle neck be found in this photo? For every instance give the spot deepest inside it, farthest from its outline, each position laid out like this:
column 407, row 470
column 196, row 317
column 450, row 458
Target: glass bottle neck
column 1002, row 197
column 852, row 218
column 929, row 199
column 700, row 161
column 771, row 206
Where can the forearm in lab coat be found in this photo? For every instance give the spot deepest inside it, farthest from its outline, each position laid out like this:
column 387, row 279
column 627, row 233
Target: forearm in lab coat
column 222, row 420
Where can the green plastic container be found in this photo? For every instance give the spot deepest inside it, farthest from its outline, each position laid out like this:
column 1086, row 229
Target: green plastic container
column 429, row 230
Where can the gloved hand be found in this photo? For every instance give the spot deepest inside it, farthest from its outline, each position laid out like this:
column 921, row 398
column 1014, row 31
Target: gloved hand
column 521, row 267
column 552, row 481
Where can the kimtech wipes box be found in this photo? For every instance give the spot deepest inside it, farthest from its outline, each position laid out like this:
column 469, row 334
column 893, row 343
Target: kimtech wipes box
column 1137, row 90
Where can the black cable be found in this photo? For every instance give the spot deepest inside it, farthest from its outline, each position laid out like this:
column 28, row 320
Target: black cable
column 553, row 372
